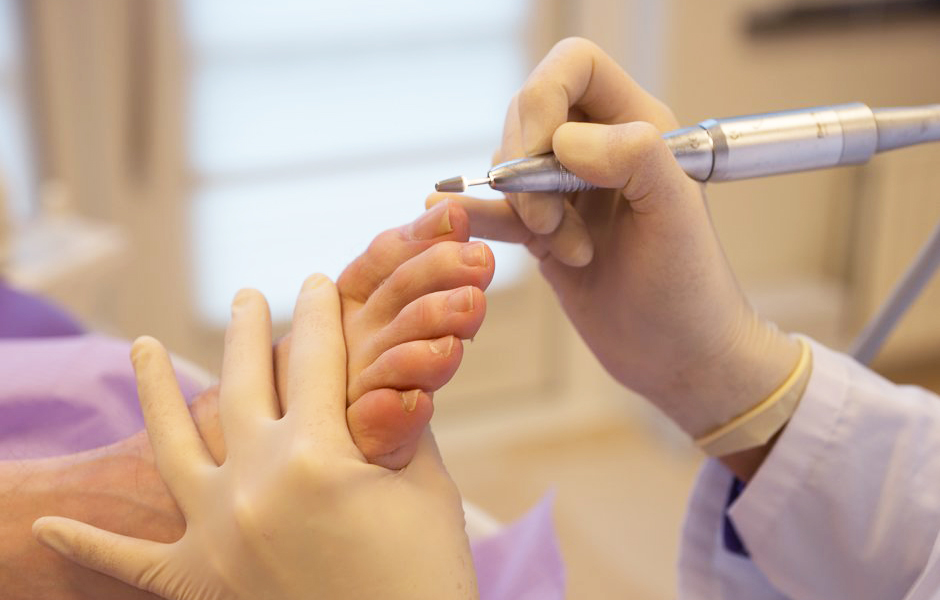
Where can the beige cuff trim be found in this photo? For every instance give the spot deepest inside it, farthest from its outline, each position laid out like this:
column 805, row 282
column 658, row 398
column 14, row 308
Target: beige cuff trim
column 755, row 427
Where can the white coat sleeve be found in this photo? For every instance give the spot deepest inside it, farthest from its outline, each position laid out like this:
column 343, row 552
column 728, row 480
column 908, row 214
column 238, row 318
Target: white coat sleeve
column 847, row 504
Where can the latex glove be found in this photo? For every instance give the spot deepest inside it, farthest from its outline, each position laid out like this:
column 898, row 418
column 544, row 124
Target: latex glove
column 295, row 511
column 658, row 304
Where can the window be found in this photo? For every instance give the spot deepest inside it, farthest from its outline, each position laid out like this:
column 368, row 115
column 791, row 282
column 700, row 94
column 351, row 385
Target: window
column 313, row 126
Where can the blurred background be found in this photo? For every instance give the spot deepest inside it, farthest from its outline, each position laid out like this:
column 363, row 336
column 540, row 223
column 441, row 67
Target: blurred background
column 157, row 155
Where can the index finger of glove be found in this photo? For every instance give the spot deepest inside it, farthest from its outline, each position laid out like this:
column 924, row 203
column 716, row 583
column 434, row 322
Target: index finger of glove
column 496, row 220
column 577, row 73
column 247, row 394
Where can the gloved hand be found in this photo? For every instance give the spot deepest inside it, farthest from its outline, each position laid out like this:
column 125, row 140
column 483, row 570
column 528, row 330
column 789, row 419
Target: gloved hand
column 295, row 511
column 658, row 303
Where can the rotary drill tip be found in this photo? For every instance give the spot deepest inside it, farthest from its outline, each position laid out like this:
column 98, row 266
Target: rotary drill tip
column 458, row 184
column 454, row 184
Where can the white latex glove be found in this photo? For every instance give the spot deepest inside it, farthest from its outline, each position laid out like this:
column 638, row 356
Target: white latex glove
column 295, row 511
column 658, row 303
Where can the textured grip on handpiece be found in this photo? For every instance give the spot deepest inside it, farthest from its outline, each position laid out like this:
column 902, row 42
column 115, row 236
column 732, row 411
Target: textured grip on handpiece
column 569, row 182
column 536, row 174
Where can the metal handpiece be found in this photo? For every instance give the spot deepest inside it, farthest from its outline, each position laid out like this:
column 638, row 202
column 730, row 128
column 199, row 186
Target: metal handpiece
column 749, row 146
column 537, row 174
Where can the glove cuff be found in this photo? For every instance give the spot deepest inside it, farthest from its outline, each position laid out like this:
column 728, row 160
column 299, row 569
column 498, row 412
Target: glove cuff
column 756, row 426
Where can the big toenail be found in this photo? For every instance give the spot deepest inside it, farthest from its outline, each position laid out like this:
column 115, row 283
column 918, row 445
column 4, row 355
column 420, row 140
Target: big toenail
column 409, row 399
column 432, row 223
column 473, row 254
column 314, row 281
column 461, row 300
column 442, row 346
column 243, row 297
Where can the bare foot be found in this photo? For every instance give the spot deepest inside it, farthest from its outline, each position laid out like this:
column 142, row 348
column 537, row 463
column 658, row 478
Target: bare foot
column 408, row 301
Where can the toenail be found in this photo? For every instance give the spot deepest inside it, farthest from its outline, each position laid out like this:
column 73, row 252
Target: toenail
column 473, row 254
column 461, row 300
column 432, row 223
column 242, row 297
column 409, row 399
column 314, row 281
column 442, row 345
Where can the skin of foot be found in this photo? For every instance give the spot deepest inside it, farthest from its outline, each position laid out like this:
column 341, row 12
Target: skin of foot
column 407, row 303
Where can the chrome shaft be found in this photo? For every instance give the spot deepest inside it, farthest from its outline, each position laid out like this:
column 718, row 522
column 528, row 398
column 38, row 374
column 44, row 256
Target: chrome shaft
column 774, row 143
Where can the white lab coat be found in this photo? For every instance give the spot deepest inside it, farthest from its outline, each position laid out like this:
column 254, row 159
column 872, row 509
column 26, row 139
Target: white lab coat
column 845, row 507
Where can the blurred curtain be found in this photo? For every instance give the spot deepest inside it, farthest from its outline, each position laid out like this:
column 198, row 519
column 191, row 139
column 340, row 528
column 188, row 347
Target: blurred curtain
column 93, row 86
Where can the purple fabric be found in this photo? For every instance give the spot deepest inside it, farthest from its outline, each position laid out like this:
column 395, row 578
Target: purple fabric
column 523, row 561
column 61, row 395
column 25, row 316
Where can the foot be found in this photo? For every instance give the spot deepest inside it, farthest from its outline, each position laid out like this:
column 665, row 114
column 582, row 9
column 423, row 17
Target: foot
column 408, row 301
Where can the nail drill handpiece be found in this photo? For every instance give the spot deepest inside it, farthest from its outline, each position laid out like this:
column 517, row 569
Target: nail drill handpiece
column 747, row 147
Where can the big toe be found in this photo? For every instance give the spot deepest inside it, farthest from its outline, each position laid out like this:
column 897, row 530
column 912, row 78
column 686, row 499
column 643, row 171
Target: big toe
column 392, row 248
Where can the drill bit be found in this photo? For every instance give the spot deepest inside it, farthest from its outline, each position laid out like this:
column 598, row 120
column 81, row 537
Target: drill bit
column 459, row 184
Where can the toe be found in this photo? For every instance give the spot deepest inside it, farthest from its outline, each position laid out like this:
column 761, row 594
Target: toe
column 445, row 221
column 457, row 312
column 386, row 424
column 445, row 266
column 422, row 364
